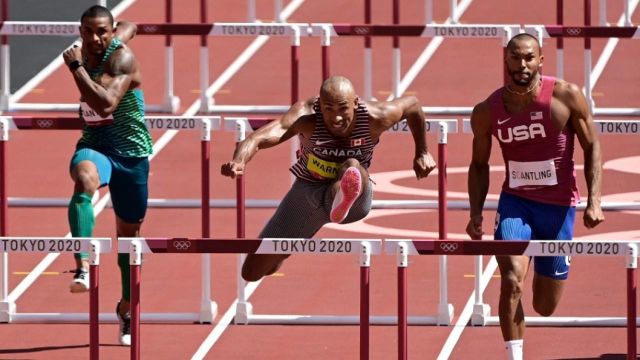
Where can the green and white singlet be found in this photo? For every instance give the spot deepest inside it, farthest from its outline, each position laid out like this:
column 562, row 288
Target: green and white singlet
column 126, row 135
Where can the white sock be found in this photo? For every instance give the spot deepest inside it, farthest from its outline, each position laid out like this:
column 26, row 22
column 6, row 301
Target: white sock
column 514, row 349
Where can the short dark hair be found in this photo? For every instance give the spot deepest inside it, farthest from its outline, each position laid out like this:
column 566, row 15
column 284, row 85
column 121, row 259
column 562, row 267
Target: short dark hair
column 97, row 11
column 523, row 36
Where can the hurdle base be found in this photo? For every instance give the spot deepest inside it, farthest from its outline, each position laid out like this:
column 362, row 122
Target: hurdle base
column 445, row 314
column 265, row 319
column 171, row 104
column 480, row 314
column 7, row 311
column 105, row 318
column 244, row 311
column 206, row 104
column 568, row 321
column 208, row 312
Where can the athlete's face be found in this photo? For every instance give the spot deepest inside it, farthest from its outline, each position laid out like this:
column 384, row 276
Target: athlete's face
column 96, row 34
column 338, row 112
column 523, row 61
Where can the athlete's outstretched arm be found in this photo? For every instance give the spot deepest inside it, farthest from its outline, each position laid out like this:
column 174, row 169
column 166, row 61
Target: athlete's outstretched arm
column 272, row 134
column 105, row 95
column 478, row 181
column 407, row 107
column 583, row 125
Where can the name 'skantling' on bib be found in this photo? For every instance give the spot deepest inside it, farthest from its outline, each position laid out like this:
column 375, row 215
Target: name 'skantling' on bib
column 532, row 173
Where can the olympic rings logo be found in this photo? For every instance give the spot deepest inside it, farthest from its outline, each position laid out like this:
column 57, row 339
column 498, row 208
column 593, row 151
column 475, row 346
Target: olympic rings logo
column 361, row 30
column 150, row 29
column 448, row 247
column 44, row 124
column 182, row 245
column 574, row 31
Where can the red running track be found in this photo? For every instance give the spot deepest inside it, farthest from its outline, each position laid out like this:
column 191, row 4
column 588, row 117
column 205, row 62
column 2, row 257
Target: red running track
column 461, row 73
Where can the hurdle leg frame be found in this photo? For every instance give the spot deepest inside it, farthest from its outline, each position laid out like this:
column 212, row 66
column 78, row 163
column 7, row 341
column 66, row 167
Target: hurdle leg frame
column 94, row 296
column 7, row 307
column 632, row 265
column 208, row 307
column 445, row 309
column 135, row 262
column 402, row 262
column 5, row 97
column 244, row 309
column 365, row 265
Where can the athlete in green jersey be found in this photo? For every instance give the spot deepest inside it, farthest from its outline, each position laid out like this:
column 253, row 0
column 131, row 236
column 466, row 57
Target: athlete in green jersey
column 115, row 143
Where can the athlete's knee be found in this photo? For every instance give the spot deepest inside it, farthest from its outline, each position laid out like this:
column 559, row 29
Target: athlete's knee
column 251, row 275
column 511, row 286
column 256, row 267
column 350, row 162
column 85, row 179
column 544, row 307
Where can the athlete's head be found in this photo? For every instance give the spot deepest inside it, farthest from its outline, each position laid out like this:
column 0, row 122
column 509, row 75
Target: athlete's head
column 338, row 102
column 524, row 59
column 96, row 30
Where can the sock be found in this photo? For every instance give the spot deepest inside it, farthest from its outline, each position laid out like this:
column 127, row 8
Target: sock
column 514, row 349
column 125, row 274
column 81, row 219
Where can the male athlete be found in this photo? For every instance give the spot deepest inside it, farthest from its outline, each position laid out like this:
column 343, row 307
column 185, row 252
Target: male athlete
column 534, row 118
column 337, row 133
column 115, row 143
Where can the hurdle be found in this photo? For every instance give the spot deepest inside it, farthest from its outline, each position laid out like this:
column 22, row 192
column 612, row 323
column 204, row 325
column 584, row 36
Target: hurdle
column 404, row 248
column 445, row 313
column 362, row 247
column 170, row 104
column 204, row 124
column 94, row 246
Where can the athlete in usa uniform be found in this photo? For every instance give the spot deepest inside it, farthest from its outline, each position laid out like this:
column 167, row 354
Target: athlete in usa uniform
column 337, row 133
column 535, row 119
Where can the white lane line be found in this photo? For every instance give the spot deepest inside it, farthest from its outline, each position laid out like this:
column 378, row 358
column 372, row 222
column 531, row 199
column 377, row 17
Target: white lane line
column 427, row 54
column 225, row 320
column 607, row 52
column 49, row 258
column 222, row 325
column 466, row 313
column 57, row 61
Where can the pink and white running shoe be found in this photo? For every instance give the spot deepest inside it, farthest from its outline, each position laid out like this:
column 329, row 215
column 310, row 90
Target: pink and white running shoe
column 350, row 188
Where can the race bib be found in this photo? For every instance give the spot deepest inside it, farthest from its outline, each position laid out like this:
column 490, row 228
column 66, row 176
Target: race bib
column 322, row 168
column 91, row 117
column 532, row 173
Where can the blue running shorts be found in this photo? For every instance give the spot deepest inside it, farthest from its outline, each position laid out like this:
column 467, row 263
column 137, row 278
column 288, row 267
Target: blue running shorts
column 521, row 219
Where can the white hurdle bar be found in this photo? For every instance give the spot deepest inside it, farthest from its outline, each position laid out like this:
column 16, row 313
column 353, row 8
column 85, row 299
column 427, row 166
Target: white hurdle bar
column 93, row 246
column 627, row 249
column 203, row 124
column 68, row 29
column 362, row 247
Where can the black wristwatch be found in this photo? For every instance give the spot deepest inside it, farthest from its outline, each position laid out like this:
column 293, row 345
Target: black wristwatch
column 74, row 65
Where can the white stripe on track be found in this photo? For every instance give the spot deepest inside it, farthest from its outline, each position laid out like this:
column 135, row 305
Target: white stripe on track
column 466, row 313
column 427, row 54
column 223, row 323
column 225, row 320
column 57, row 61
column 607, row 52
